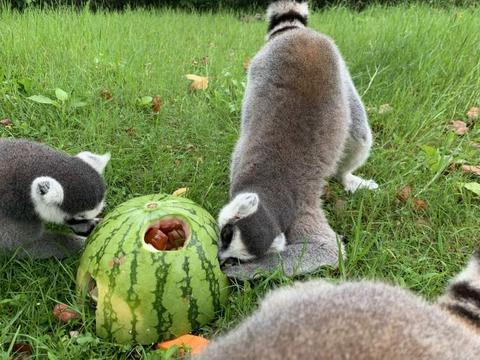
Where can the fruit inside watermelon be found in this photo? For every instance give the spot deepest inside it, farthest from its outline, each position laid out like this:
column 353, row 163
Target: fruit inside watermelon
column 167, row 234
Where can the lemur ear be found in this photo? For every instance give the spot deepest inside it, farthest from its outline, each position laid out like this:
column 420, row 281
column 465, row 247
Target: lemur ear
column 48, row 190
column 98, row 162
column 241, row 206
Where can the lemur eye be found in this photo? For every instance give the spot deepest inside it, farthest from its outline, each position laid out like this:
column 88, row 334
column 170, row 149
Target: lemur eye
column 226, row 234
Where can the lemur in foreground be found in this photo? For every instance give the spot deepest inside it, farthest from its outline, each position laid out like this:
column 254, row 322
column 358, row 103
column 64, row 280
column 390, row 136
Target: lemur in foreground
column 40, row 185
column 302, row 122
column 359, row 320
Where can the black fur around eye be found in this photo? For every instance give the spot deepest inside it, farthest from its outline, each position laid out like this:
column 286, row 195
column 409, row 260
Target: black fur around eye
column 226, row 235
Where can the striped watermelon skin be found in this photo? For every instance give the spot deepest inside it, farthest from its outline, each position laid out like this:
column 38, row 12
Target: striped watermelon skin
column 145, row 295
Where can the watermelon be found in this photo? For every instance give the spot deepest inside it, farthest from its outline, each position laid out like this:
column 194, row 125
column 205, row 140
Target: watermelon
column 151, row 266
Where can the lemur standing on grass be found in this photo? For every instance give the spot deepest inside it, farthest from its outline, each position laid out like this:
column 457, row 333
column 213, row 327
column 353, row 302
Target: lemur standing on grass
column 359, row 320
column 40, row 185
column 302, row 122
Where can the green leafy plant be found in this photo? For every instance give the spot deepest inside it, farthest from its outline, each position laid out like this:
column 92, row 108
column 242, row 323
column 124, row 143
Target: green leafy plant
column 63, row 100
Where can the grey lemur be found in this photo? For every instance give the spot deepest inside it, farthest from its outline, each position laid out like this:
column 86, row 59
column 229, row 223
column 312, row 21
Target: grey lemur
column 359, row 320
column 302, row 122
column 40, row 185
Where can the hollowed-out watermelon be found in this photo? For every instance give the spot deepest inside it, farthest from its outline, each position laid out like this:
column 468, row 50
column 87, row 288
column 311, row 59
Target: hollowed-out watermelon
column 146, row 288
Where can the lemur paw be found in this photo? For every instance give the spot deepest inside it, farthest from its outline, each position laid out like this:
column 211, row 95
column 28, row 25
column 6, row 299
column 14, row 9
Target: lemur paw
column 352, row 183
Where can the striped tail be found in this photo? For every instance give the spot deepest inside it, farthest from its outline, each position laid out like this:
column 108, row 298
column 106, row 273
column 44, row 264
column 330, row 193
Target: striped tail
column 285, row 15
column 462, row 297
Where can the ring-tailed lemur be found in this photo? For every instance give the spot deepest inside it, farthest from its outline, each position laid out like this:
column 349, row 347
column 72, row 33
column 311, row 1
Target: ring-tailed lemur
column 302, row 122
column 359, row 320
column 40, row 185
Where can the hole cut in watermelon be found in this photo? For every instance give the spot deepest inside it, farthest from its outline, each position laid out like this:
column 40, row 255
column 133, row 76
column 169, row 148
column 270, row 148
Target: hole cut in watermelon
column 167, row 234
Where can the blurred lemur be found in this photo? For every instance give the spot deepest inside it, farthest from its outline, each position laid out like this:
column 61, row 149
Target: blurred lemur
column 359, row 320
column 302, row 122
column 40, row 185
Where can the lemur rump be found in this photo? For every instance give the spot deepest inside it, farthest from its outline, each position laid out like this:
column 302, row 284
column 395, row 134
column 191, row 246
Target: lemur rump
column 40, row 185
column 359, row 320
column 302, row 122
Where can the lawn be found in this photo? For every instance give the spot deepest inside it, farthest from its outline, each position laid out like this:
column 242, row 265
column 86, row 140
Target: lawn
column 422, row 62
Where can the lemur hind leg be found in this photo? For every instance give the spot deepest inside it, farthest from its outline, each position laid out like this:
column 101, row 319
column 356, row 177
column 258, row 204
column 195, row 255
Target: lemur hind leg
column 311, row 244
column 357, row 147
column 52, row 245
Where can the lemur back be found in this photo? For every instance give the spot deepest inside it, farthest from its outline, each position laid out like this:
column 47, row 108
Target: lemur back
column 296, row 123
column 39, row 185
column 359, row 320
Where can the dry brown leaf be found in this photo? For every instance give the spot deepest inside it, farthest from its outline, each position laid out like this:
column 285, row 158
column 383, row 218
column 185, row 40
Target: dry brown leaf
column 64, row 313
column 473, row 113
column 156, row 104
column 6, row 123
column 105, row 94
column 180, row 192
column 404, row 193
column 21, row 351
column 420, row 204
column 469, row 169
column 460, row 127
column 246, row 64
column 198, row 82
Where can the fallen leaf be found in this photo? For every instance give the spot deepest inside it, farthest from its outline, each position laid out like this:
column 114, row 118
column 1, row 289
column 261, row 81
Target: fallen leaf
column 105, row 94
column 473, row 187
column 74, row 334
column 64, row 313
column 340, row 205
column 205, row 60
column 459, row 127
column 385, row 108
column 473, row 113
column 246, row 64
column 180, row 192
column 6, row 123
column 420, row 204
column 404, row 193
column 198, row 82
column 469, row 169
column 156, row 104
column 21, row 351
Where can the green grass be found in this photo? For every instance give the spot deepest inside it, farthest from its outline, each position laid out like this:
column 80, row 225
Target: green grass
column 422, row 61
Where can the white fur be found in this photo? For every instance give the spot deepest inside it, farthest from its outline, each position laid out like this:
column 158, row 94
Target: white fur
column 47, row 205
column 470, row 274
column 279, row 243
column 352, row 183
column 98, row 162
column 241, row 206
column 281, row 7
column 236, row 249
column 91, row 214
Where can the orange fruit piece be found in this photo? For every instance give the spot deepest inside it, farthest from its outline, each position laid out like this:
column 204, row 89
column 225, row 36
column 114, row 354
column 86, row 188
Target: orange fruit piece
column 195, row 343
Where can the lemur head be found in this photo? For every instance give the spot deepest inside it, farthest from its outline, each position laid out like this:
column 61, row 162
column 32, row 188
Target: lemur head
column 247, row 230
column 73, row 193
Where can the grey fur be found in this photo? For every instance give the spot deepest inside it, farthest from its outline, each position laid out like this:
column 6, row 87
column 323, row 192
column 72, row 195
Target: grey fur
column 21, row 227
column 355, row 320
column 302, row 122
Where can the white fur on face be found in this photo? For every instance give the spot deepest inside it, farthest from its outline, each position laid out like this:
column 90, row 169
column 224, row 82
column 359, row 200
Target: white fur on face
column 236, row 249
column 98, row 162
column 241, row 206
column 47, row 196
column 90, row 214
